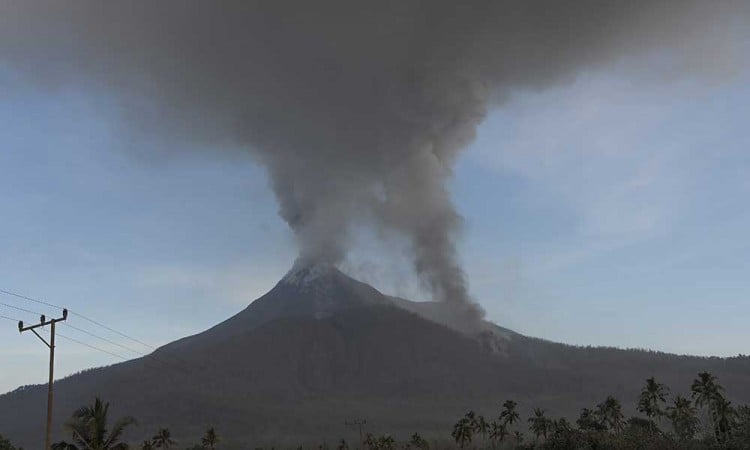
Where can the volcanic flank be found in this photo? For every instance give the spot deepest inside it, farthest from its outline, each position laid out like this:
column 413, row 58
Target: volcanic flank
column 321, row 346
column 320, row 290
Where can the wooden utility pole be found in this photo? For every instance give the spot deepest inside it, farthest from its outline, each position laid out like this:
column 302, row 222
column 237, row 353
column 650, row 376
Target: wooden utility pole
column 51, row 344
column 357, row 423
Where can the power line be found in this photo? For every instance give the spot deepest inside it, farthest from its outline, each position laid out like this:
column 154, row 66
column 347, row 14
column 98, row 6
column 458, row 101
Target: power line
column 151, row 356
column 29, row 299
column 147, row 357
column 112, row 330
column 172, row 365
column 104, row 339
column 21, row 309
column 88, row 319
column 70, row 338
column 92, row 346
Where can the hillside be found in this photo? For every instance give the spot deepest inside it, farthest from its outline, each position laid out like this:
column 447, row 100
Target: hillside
column 321, row 347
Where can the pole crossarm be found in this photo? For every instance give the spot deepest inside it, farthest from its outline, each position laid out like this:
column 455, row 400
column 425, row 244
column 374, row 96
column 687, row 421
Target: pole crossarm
column 43, row 322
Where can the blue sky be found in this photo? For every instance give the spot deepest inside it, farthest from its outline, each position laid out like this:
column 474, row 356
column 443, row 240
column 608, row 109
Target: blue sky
column 608, row 211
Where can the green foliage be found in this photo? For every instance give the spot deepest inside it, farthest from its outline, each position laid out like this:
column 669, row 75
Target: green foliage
column 509, row 415
column 741, row 430
column 653, row 397
column 62, row 445
column 498, row 433
column 210, row 439
column 463, row 430
column 481, row 426
column 589, row 420
column 5, row 444
column 163, row 439
column 88, row 427
column 709, row 394
column 540, row 425
column 603, row 427
column 385, row 442
column 419, row 442
column 606, row 428
column 684, row 418
column 609, row 413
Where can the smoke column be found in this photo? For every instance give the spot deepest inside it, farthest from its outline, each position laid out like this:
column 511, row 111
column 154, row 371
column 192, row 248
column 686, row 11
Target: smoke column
column 358, row 110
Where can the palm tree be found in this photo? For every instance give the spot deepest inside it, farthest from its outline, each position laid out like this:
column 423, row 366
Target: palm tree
column 471, row 417
column 163, row 438
column 590, row 421
column 725, row 415
column 88, row 427
column 652, row 397
column 707, row 392
column 560, row 426
column 62, row 445
column 610, row 414
column 147, row 445
column 5, row 444
column 539, row 423
column 482, row 427
column 741, row 430
column 705, row 389
column 683, row 417
column 498, row 433
column 509, row 415
column 370, row 441
column 210, row 439
column 462, row 432
column 386, row 442
column 419, row 442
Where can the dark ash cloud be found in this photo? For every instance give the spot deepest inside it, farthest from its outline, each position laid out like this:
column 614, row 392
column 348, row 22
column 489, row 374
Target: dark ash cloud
column 358, row 110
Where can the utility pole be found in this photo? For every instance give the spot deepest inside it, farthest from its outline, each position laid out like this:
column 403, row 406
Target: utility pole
column 51, row 344
column 357, row 423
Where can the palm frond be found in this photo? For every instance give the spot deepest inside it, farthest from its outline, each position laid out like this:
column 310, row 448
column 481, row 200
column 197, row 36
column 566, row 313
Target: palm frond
column 118, row 428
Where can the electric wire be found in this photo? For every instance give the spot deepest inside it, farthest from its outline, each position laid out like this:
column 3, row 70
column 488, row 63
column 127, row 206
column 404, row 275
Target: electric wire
column 151, row 356
column 97, row 323
column 21, row 309
column 81, row 330
column 71, row 312
column 3, row 291
column 111, row 329
column 90, row 346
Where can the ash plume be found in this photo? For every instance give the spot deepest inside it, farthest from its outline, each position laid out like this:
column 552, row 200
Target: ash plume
column 358, row 110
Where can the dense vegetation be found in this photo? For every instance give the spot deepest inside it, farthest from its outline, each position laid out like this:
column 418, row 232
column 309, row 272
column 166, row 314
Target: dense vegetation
column 705, row 419
column 666, row 425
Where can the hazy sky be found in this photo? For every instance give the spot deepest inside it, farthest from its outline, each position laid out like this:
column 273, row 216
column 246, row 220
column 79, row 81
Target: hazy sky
column 609, row 210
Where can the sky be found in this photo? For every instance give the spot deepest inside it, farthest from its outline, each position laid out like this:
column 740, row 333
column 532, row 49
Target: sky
column 606, row 210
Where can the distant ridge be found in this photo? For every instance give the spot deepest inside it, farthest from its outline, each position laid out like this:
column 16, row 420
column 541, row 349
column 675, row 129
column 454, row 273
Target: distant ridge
column 321, row 346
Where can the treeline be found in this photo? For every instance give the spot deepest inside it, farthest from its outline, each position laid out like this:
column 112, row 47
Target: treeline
column 705, row 419
column 665, row 424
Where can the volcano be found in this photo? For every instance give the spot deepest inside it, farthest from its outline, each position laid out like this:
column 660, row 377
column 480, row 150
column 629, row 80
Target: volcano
column 321, row 348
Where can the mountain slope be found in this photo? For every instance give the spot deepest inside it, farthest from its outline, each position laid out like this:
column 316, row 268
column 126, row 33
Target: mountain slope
column 321, row 347
column 306, row 290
